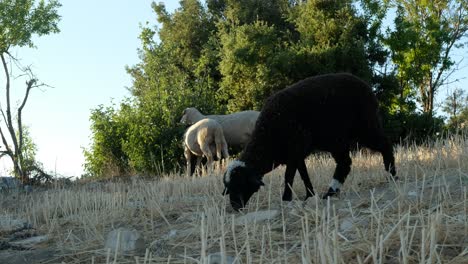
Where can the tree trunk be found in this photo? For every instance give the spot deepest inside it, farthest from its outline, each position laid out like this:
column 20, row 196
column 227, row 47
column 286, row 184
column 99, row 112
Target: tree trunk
column 16, row 151
column 427, row 97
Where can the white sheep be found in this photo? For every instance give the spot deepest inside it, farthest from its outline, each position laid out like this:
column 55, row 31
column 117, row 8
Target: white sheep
column 204, row 138
column 237, row 127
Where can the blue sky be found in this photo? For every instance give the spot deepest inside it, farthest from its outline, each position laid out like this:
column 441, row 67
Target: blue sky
column 85, row 63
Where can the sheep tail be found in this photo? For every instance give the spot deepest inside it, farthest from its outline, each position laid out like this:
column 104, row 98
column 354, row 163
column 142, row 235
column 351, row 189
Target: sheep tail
column 221, row 145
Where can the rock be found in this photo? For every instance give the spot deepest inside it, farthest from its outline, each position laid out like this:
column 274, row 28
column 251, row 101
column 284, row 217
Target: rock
column 9, row 183
column 315, row 202
column 217, row 258
column 130, row 241
column 412, row 195
column 9, row 224
column 136, row 204
column 160, row 248
column 30, row 242
column 347, row 224
column 460, row 218
column 176, row 234
column 172, row 233
column 28, row 188
column 256, row 217
column 41, row 255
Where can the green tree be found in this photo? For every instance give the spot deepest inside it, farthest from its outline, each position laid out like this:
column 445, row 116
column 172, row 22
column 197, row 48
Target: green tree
column 262, row 54
column 178, row 71
column 252, row 65
column 20, row 21
column 332, row 38
column 230, row 55
column 454, row 105
column 106, row 156
column 425, row 34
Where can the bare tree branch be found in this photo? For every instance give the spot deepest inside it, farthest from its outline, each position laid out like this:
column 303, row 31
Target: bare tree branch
column 5, row 143
column 8, row 121
column 29, row 86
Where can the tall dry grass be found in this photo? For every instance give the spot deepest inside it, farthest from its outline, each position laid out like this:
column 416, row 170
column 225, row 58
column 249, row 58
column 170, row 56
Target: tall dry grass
column 422, row 218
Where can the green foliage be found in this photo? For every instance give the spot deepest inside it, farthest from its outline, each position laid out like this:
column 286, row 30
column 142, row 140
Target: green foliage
column 32, row 168
column 412, row 127
column 456, row 107
column 106, row 157
column 421, row 44
column 260, row 58
column 230, row 55
column 21, row 19
column 252, row 65
column 29, row 152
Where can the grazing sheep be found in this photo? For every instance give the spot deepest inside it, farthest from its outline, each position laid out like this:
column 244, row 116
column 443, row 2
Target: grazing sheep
column 323, row 113
column 204, row 138
column 237, row 127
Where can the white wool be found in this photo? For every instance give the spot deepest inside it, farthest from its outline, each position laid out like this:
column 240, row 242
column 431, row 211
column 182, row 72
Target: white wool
column 205, row 138
column 237, row 127
column 335, row 185
column 234, row 164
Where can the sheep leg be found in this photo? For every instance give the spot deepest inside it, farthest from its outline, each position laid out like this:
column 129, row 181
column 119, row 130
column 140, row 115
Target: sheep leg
column 343, row 167
column 305, row 178
column 209, row 164
column 188, row 158
column 194, row 164
column 288, row 181
column 198, row 165
column 205, row 148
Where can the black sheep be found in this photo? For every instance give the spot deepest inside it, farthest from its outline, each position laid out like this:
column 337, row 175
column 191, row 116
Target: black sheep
column 323, row 113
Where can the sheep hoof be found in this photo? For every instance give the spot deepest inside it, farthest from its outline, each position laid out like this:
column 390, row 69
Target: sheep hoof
column 392, row 178
column 309, row 196
column 331, row 193
column 287, row 198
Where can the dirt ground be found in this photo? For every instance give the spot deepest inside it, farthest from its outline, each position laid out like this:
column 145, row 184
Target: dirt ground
column 422, row 218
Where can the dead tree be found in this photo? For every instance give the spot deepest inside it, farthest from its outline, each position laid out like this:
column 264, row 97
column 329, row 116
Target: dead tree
column 11, row 132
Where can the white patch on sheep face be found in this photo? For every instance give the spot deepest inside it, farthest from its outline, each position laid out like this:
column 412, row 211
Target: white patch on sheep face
column 234, row 164
column 335, row 185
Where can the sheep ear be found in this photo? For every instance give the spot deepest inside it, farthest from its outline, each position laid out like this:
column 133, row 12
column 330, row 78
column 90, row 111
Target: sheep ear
column 226, row 191
column 260, row 182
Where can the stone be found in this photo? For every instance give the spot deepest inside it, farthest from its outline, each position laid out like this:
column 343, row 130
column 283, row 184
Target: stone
column 256, row 217
column 9, row 224
column 412, row 195
column 130, row 241
column 347, row 224
column 40, row 255
column 28, row 188
column 31, row 242
column 217, row 258
column 135, row 204
column 172, row 233
column 315, row 202
column 9, row 183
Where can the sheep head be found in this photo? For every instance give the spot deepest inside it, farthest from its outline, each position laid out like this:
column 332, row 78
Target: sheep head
column 190, row 116
column 240, row 182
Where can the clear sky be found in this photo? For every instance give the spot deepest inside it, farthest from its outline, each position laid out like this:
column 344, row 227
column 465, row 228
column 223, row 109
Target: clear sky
column 85, row 63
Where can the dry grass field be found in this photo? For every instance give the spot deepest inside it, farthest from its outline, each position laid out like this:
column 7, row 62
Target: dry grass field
column 422, row 218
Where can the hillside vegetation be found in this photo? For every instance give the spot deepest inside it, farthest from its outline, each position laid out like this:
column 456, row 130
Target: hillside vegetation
column 223, row 56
